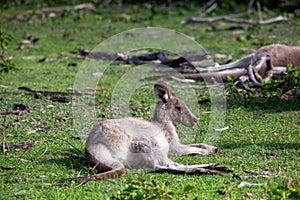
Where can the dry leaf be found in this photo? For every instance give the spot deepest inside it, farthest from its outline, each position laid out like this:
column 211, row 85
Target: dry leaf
column 247, row 184
column 21, row 192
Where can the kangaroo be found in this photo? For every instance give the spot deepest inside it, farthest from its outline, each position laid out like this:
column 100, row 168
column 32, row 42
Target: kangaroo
column 116, row 144
column 268, row 61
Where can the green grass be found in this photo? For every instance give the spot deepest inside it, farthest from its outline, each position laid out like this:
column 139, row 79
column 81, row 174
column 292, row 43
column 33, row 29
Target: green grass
column 258, row 125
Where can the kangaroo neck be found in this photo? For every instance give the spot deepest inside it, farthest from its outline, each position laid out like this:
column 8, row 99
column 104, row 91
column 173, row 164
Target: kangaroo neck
column 168, row 129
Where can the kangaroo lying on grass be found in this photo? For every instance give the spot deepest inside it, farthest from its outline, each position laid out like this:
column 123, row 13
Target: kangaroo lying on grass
column 116, row 144
column 268, row 61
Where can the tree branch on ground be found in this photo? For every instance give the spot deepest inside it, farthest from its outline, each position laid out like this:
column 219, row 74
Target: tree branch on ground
column 206, row 8
column 22, row 145
column 159, row 58
column 235, row 20
column 268, row 62
column 28, row 13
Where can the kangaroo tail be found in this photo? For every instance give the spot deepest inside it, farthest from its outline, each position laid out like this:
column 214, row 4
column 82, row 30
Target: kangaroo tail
column 242, row 63
column 116, row 173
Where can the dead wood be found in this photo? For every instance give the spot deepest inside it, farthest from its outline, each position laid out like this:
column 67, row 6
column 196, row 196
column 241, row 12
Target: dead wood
column 12, row 112
column 54, row 97
column 235, row 20
column 62, row 57
column 26, row 14
column 39, row 92
column 250, row 4
column 98, row 54
column 206, row 8
column 19, row 109
column 60, row 99
column 4, row 142
column 256, row 175
column 8, row 167
column 145, row 58
column 180, row 63
column 22, row 145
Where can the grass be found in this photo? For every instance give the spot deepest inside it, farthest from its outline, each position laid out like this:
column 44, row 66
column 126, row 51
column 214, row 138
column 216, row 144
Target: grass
column 257, row 125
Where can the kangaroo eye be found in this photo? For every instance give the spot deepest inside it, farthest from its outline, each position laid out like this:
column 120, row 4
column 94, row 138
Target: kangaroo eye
column 178, row 108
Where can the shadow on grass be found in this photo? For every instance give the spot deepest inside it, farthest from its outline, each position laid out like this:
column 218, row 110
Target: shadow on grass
column 273, row 104
column 70, row 159
column 280, row 146
column 267, row 145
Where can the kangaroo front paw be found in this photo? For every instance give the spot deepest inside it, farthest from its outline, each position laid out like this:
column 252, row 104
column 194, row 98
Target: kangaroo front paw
column 207, row 148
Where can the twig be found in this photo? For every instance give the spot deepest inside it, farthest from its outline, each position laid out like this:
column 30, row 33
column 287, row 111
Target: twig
column 201, row 10
column 250, row 6
column 4, row 142
column 211, row 8
column 259, row 11
column 82, row 183
column 22, row 145
column 12, row 112
column 8, row 167
column 62, row 57
column 257, row 175
column 234, row 20
column 31, row 91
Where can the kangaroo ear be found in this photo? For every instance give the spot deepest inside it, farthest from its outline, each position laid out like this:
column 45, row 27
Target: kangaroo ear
column 162, row 92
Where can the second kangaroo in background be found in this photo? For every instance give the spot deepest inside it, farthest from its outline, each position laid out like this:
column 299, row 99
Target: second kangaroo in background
column 116, row 144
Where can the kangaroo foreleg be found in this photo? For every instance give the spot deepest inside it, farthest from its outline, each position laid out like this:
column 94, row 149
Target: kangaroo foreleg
column 193, row 149
column 206, row 147
column 242, row 81
column 275, row 72
column 252, row 76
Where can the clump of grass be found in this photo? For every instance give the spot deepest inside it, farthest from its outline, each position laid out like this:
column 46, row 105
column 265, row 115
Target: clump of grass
column 6, row 64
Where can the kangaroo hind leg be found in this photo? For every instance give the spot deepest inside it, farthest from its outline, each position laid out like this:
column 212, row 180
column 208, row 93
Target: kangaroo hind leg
column 100, row 158
column 192, row 169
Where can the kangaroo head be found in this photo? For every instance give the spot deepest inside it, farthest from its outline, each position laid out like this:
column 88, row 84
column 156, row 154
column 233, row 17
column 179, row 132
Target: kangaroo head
column 171, row 108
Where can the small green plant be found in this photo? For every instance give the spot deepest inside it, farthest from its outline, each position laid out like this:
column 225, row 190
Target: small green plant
column 290, row 82
column 233, row 90
column 143, row 189
column 283, row 193
column 6, row 64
